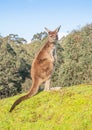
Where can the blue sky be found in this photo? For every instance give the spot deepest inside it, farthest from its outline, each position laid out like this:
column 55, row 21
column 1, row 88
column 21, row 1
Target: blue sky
column 27, row 17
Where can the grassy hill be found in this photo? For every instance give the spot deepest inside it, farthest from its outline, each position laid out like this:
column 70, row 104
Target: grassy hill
column 67, row 109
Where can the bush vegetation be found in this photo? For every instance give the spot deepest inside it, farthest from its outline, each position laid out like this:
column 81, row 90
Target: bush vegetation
column 74, row 64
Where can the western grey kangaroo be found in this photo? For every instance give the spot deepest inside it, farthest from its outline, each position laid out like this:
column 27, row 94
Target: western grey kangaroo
column 42, row 66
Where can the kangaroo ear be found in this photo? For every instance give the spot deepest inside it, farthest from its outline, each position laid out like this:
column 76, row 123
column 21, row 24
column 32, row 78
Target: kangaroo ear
column 57, row 29
column 47, row 29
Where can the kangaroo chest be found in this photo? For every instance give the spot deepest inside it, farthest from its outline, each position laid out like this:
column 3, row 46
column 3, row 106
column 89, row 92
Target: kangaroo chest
column 48, row 53
column 52, row 53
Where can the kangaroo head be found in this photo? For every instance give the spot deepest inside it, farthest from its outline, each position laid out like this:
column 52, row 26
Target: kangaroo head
column 53, row 35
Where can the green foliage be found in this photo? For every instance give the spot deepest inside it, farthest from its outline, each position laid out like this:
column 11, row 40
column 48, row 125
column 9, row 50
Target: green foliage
column 68, row 109
column 14, row 67
column 59, row 61
column 15, row 64
column 73, row 66
column 77, row 56
column 39, row 36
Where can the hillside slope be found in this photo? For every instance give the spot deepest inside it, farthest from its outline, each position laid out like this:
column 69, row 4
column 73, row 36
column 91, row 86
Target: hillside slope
column 67, row 109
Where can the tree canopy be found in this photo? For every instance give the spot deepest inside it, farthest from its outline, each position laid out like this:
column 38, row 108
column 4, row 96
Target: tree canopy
column 74, row 64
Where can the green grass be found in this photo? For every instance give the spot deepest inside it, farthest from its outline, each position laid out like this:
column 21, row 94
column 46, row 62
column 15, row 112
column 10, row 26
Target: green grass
column 67, row 109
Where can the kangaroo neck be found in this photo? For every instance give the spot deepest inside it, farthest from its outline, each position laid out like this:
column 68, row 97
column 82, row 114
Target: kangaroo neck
column 50, row 44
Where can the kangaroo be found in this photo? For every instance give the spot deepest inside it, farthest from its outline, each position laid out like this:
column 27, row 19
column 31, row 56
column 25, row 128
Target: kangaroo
column 42, row 66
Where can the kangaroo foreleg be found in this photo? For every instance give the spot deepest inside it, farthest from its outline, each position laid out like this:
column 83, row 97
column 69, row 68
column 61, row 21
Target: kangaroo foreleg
column 47, row 85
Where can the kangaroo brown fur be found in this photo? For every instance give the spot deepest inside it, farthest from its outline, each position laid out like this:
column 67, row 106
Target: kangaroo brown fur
column 42, row 66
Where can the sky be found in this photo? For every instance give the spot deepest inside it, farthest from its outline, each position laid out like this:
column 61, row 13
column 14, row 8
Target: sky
column 28, row 17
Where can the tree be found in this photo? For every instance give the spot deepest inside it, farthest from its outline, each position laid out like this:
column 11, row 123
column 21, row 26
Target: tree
column 39, row 36
column 77, row 66
column 15, row 38
column 74, row 64
column 14, row 67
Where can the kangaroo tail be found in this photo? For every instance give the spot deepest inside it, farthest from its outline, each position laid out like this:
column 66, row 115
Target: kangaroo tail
column 32, row 92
